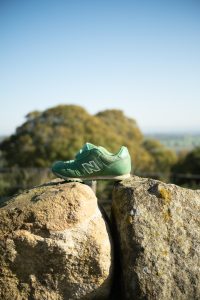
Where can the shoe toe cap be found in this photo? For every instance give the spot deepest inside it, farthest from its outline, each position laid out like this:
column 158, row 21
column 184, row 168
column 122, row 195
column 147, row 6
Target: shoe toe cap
column 58, row 167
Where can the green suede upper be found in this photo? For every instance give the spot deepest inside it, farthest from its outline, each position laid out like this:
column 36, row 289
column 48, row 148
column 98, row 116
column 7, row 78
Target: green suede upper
column 93, row 161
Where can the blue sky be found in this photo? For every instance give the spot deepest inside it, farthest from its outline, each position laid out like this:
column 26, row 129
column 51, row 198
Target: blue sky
column 139, row 56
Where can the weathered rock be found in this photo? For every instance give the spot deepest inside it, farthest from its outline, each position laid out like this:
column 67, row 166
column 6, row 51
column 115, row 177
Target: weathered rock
column 55, row 245
column 158, row 227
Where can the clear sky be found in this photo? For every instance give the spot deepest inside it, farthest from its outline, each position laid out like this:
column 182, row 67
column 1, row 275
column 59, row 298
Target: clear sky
column 139, row 56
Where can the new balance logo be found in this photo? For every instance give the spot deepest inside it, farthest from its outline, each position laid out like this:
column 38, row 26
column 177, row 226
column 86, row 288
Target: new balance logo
column 91, row 167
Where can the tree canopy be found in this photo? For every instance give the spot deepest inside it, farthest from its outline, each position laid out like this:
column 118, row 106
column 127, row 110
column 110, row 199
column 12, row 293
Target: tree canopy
column 190, row 164
column 59, row 132
column 162, row 158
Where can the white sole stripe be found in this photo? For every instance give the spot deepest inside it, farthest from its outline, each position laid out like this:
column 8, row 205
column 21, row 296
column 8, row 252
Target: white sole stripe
column 111, row 177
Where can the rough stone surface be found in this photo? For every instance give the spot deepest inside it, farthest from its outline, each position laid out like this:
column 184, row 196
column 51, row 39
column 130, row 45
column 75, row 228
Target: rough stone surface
column 158, row 227
column 55, row 245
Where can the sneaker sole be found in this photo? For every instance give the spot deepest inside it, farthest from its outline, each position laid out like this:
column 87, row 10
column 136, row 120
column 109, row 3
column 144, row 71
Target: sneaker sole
column 121, row 177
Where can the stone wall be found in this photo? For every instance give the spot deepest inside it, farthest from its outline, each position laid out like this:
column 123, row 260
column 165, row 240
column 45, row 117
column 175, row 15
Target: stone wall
column 57, row 244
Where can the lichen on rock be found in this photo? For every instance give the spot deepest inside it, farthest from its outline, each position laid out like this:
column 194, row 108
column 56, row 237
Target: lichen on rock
column 157, row 226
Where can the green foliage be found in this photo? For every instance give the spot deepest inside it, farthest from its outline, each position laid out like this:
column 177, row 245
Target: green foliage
column 14, row 179
column 120, row 124
column 59, row 132
column 162, row 158
column 188, row 165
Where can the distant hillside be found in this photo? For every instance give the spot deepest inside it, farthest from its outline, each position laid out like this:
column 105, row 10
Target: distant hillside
column 177, row 142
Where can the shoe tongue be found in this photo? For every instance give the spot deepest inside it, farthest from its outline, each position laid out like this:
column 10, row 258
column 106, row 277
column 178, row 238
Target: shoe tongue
column 88, row 146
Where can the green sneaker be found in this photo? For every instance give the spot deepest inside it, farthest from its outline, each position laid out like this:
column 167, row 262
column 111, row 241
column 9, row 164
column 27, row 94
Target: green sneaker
column 93, row 163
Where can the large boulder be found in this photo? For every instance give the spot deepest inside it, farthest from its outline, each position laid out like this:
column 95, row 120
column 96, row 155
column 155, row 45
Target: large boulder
column 158, row 232
column 55, row 245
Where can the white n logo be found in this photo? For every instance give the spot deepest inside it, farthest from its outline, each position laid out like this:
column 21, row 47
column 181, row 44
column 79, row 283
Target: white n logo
column 91, row 167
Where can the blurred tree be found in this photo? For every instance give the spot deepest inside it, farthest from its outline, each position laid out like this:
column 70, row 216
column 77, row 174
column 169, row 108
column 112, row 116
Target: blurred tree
column 59, row 132
column 32, row 115
column 188, row 167
column 162, row 158
column 122, row 125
